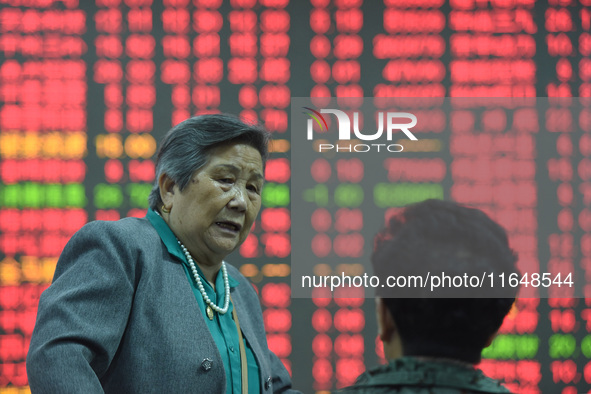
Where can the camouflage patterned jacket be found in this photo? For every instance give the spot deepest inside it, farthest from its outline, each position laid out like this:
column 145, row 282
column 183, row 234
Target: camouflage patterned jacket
column 409, row 375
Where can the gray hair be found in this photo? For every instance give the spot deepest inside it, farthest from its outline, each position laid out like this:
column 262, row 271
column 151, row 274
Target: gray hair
column 186, row 147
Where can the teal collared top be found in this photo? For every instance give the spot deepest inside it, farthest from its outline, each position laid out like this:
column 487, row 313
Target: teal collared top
column 222, row 327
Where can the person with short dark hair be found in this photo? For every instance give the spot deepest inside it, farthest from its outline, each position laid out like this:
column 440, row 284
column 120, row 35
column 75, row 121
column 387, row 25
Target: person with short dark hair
column 432, row 344
column 149, row 305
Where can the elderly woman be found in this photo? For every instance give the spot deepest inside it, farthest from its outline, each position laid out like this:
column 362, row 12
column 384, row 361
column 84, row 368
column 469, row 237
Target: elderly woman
column 149, row 305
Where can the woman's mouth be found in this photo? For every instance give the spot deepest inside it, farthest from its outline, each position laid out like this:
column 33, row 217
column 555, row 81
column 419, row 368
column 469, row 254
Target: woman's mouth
column 229, row 226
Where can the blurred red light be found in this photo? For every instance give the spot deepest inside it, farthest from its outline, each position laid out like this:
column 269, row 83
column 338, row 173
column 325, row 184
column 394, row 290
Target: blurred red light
column 349, row 345
column 321, row 245
column 349, row 320
column 320, row 170
column 277, row 320
column 322, row 370
column 321, row 320
column 322, row 345
column 276, row 295
column 280, row 344
column 277, row 170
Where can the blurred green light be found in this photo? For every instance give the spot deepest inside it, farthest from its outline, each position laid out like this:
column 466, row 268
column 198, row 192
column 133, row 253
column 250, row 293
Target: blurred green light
column 107, row 196
column 400, row 194
column 138, row 194
column 275, row 195
column 74, row 195
column 562, row 345
column 348, row 195
column 505, row 347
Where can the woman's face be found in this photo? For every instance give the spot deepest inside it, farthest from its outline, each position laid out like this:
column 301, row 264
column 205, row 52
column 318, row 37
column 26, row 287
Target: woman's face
column 215, row 212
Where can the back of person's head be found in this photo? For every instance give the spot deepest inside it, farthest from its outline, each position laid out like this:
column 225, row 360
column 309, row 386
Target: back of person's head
column 439, row 236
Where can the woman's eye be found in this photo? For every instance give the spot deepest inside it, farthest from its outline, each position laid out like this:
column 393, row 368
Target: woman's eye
column 253, row 188
column 226, row 180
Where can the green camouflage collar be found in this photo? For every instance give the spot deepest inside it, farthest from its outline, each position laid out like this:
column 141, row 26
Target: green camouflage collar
column 414, row 372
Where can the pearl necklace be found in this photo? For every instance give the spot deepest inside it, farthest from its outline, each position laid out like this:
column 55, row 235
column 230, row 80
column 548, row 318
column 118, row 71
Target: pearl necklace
column 210, row 304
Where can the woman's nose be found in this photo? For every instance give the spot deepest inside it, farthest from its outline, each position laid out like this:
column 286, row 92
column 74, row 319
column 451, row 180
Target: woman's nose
column 238, row 201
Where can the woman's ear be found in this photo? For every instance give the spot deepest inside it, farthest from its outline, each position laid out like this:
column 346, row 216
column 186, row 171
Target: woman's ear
column 167, row 190
column 386, row 324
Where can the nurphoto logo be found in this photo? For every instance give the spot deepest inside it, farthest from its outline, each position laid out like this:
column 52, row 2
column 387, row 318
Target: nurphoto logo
column 391, row 120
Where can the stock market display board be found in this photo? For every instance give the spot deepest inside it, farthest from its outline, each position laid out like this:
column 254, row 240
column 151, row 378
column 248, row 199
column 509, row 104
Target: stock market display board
column 88, row 88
